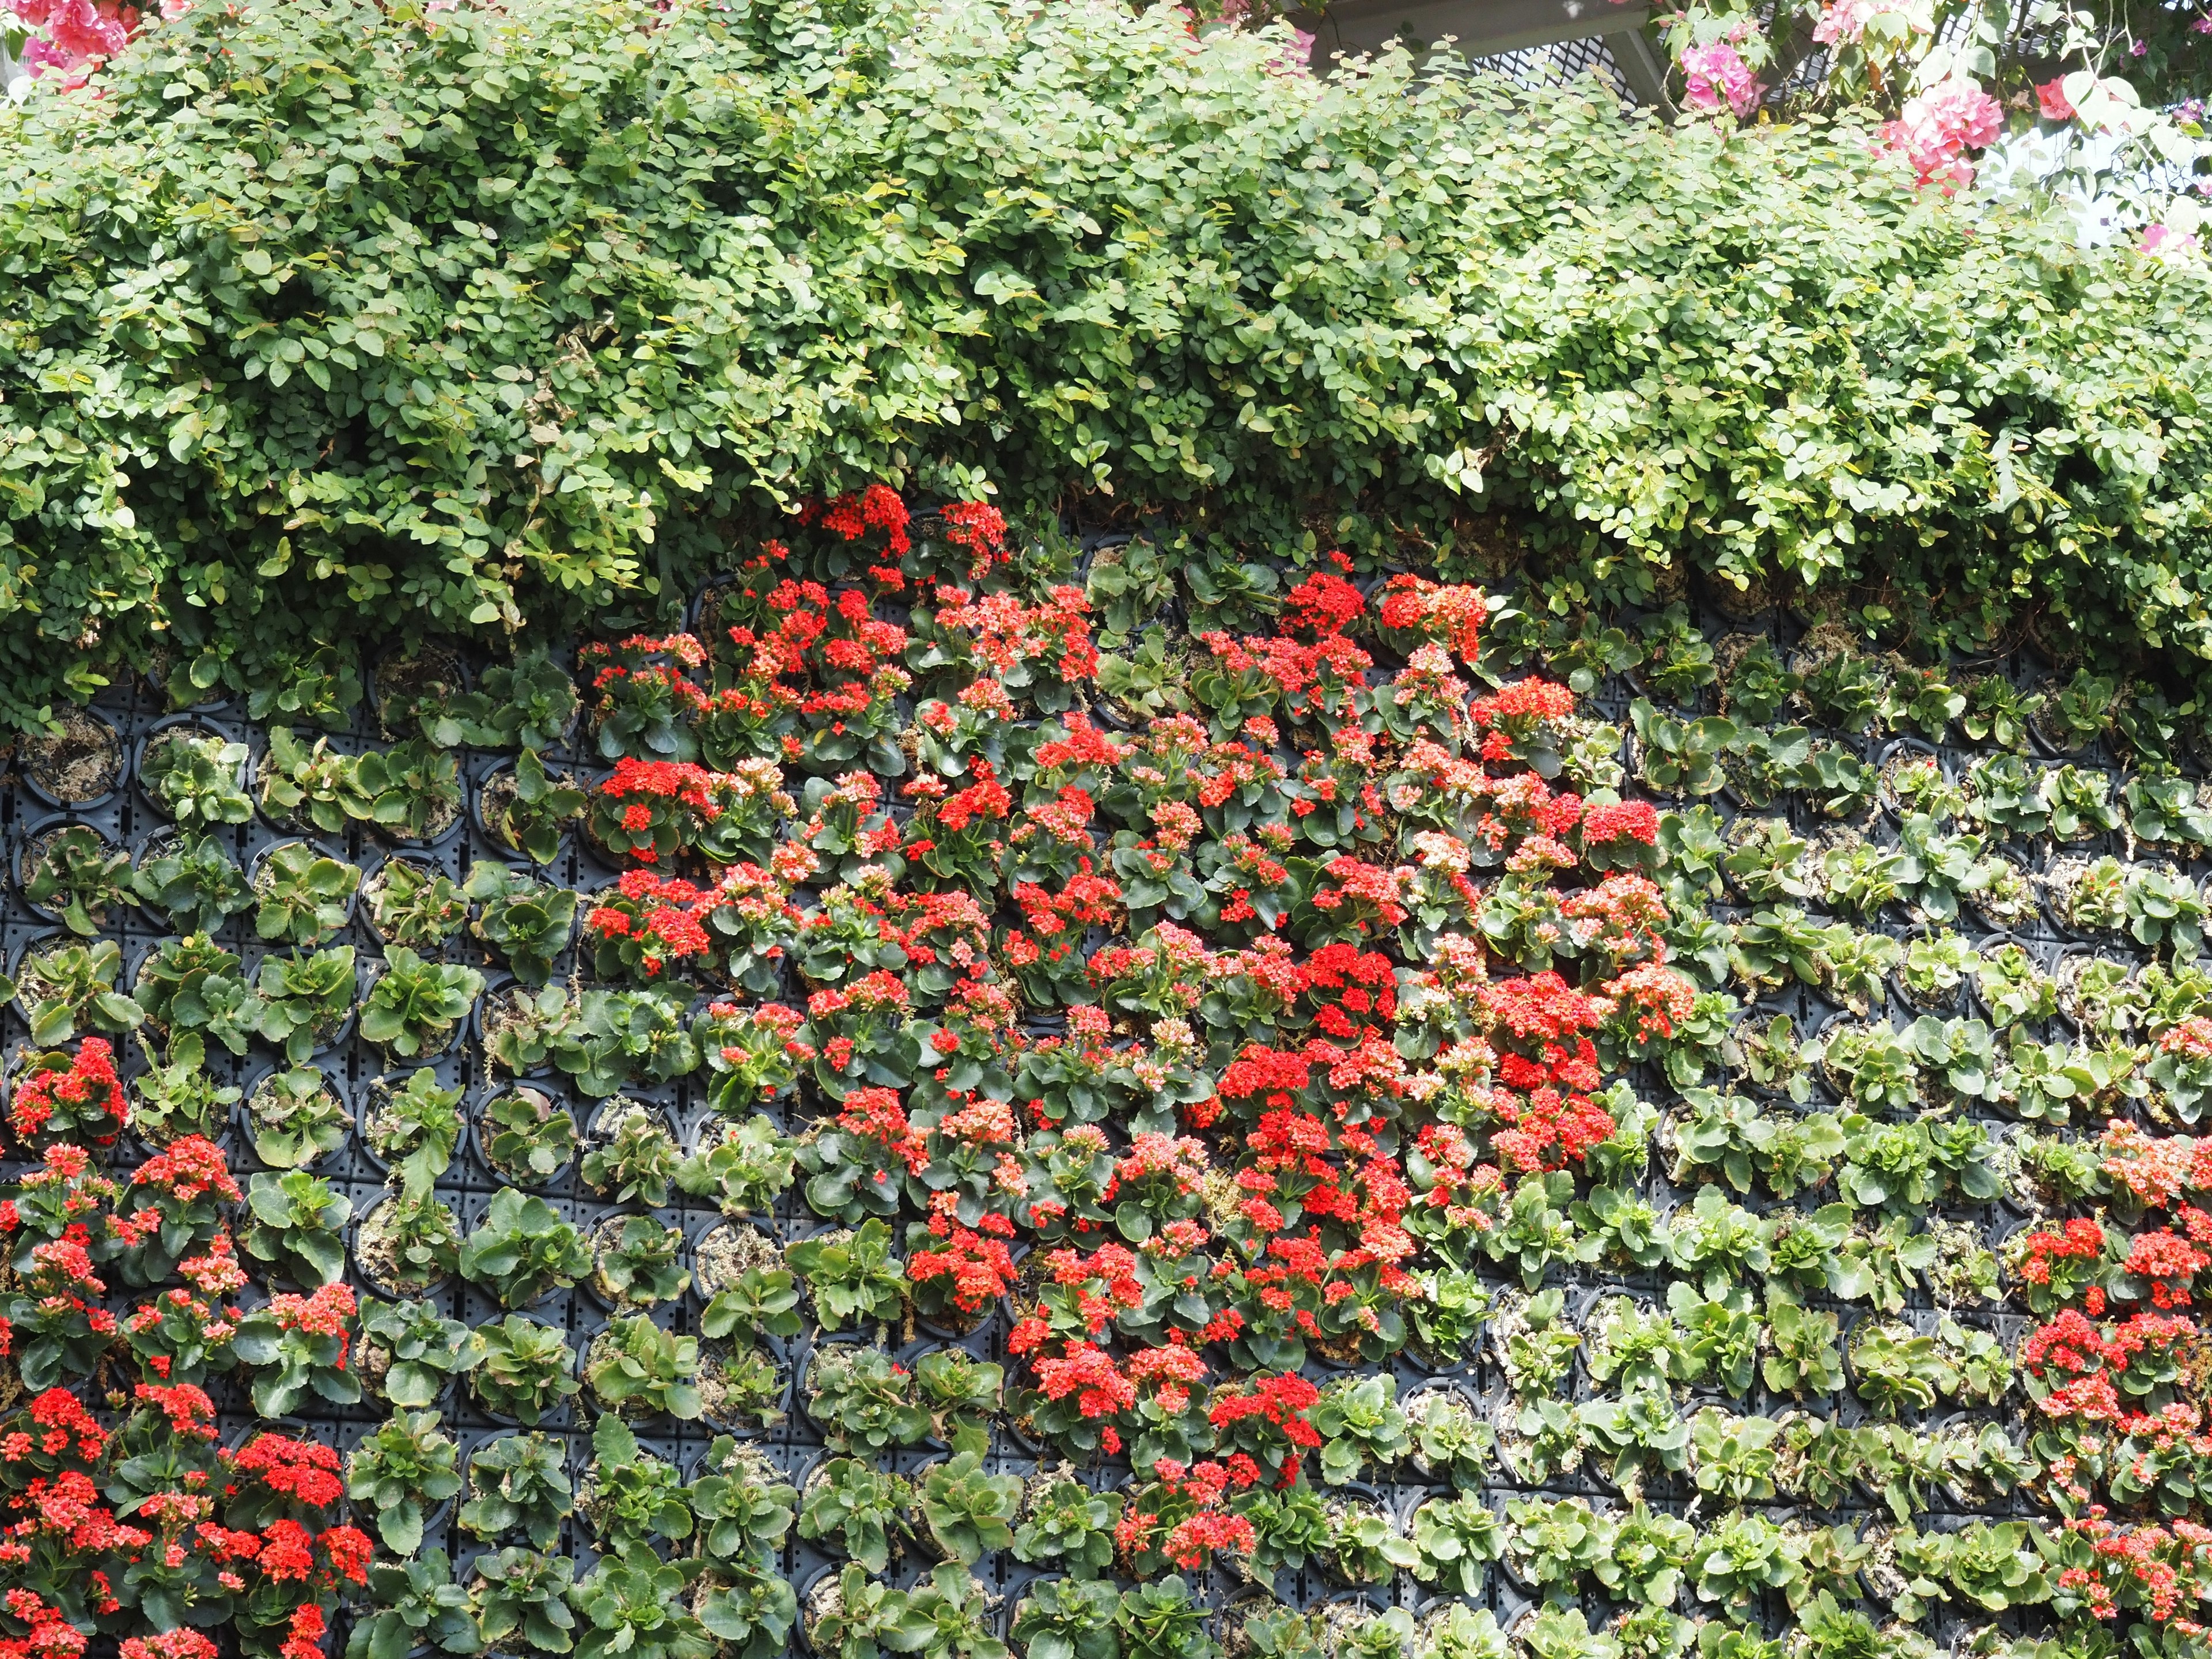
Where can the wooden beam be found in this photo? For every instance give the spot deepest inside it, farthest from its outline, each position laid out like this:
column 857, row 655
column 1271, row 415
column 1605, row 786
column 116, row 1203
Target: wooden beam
column 1479, row 28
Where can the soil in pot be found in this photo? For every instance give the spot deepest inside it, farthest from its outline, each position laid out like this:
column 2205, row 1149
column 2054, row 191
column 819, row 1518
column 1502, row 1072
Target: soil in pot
column 80, row 762
column 433, row 674
column 376, row 1247
column 740, row 1387
column 35, row 860
column 725, row 1253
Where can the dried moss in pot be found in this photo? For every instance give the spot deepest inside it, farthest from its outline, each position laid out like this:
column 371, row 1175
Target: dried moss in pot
column 407, row 1243
column 75, row 874
column 79, row 764
column 725, row 1253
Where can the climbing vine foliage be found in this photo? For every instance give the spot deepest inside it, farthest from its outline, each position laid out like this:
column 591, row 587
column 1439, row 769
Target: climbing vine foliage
column 325, row 320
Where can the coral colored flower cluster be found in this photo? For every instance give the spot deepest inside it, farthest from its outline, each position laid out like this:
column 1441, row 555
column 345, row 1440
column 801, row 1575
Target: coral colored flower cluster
column 84, row 1099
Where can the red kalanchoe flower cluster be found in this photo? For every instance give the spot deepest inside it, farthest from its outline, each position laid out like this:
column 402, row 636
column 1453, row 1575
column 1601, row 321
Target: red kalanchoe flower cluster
column 83, row 1099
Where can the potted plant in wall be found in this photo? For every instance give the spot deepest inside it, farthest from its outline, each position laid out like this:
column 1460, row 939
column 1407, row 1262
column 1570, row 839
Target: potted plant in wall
column 635, row 1605
column 408, row 1242
column 412, row 1126
column 629, row 1156
column 415, row 904
column 523, row 1249
column 414, row 790
column 967, row 1511
column 630, row 1497
column 73, row 874
column 527, row 807
column 296, row 1117
column 400, row 1474
column 194, row 777
column 521, row 1601
column 636, row 1261
column 65, row 989
column 413, row 1352
column 295, row 1224
column 191, row 881
column 742, row 1168
column 851, row 1275
column 527, row 923
column 192, row 991
column 636, row 1369
column 849, row 1505
column 527, row 1370
column 415, row 1007
column 306, row 787
column 418, row 1607
column 518, row 1483
column 302, row 897
column 178, row 1099
column 862, row 1400
column 525, row 1135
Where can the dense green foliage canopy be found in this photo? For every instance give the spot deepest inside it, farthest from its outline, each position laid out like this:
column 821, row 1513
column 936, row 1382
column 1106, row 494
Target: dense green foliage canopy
column 327, row 318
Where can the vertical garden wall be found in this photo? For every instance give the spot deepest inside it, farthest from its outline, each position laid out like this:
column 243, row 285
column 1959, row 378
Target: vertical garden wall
column 943, row 1106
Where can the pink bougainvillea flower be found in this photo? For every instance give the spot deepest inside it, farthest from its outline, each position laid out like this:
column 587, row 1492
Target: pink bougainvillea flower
column 1845, row 22
column 2162, row 243
column 1718, row 75
column 1936, row 129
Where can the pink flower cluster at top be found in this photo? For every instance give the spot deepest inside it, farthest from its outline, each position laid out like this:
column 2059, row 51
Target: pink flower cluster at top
column 73, row 37
column 1937, row 128
column 1717, row 76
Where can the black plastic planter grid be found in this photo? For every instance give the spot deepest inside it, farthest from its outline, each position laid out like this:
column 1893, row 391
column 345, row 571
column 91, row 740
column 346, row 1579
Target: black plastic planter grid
column 128, row 816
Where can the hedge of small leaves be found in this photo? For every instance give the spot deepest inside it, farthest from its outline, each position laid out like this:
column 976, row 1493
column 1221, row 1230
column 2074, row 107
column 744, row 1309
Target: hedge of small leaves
column 330, row 321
